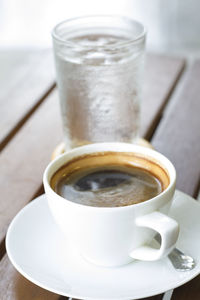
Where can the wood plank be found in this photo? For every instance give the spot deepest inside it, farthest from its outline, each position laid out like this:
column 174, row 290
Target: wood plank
column 15, row 63
column 160, row 76
column 25, row 158
column 189, row 291
column 31, row 78
column 15, row 286
column 198, row 197
column 178, row 135
column 157, row 297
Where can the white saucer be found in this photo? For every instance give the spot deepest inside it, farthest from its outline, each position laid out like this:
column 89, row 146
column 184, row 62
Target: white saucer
column 38, row 251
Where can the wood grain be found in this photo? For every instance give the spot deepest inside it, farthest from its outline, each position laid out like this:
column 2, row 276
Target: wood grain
column 31, row 78
column 24, row 159
column 178, row 134
column 15, row 286
column 160, row 77
column 189, row 291
column 15, row 63
column 157, row 297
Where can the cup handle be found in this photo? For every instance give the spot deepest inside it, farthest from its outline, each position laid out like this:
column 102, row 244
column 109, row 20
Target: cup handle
column 166, row 227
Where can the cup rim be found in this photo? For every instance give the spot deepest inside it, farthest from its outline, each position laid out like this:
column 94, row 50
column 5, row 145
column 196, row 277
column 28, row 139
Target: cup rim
column 117, row 45
column 170, row 168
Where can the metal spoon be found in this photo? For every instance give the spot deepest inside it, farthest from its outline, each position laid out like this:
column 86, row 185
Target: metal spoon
column 181, row 262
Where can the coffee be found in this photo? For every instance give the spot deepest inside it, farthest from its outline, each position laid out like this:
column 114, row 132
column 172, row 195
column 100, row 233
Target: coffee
column 109, row 180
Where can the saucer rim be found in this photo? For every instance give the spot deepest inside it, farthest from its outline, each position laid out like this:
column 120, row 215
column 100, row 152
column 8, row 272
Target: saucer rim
column 74, row 295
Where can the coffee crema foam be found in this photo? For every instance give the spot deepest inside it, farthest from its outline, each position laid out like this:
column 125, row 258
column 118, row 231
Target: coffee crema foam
column 109, row 179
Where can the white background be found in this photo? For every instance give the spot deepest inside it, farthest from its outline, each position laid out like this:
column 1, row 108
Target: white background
column 173, row 25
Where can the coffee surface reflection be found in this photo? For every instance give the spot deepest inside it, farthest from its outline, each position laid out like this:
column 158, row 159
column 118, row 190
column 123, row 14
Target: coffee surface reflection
column 107, row 182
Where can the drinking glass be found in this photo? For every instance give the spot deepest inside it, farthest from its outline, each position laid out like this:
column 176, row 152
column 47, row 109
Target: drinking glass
column 99, row 62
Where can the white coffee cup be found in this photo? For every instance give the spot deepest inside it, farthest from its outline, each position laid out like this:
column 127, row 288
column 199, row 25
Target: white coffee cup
column 113, row 236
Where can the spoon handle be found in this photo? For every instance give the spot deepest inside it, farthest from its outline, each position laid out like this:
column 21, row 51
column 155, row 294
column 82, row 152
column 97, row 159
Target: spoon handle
column 181, row 261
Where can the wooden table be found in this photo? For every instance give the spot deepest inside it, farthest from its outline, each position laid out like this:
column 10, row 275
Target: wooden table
column 30, row 129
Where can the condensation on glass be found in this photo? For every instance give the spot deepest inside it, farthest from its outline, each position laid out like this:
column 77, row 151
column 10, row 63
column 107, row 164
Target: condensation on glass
column 99, row 61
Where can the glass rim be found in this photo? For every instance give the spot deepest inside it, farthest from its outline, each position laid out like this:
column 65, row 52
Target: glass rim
column 121, row 44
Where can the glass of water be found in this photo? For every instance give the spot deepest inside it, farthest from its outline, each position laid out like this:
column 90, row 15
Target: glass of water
column 99, row 61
